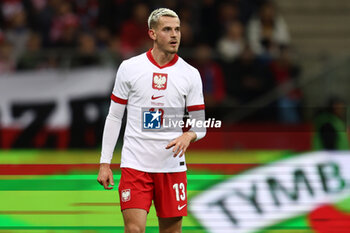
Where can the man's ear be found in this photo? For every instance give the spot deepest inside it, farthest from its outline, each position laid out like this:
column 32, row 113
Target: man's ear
column 152, row 34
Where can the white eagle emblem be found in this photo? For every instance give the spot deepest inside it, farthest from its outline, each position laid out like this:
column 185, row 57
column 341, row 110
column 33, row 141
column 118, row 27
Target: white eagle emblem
column 159, row 81
column 126, row 195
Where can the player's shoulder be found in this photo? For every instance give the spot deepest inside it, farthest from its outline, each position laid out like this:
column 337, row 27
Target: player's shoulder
column 185, row 66
column 133, row 62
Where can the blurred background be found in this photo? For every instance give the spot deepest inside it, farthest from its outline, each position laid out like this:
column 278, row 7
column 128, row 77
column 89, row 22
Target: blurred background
column 277, row 73
column 280, row 63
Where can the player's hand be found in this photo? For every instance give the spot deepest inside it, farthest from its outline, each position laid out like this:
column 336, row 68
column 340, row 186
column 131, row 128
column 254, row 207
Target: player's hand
column 105, row 176
column 181, row 143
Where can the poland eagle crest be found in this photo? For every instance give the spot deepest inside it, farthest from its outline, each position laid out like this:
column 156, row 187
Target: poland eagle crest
column 126, row 195
column 159, row 81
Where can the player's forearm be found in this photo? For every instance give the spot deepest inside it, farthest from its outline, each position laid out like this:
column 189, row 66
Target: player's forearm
column 191, row 135
column 198, row 116
column 111, row 131
column 109, row 139
column 105, row 165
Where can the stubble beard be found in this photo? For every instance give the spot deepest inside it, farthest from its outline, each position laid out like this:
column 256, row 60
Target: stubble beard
column 168, row 49
column 173, row 50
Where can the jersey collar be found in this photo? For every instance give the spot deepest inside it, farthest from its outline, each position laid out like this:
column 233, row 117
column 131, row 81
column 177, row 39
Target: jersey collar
column 151, row 59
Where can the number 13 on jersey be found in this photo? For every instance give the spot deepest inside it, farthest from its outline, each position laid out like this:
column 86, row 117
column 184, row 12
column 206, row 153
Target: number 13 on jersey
column 180, row 191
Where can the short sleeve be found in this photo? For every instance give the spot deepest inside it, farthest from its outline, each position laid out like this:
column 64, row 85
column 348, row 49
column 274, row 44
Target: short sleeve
column 194, row 100
column 121, row 86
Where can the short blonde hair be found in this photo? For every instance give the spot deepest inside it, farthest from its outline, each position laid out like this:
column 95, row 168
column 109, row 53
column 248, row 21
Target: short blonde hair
column 157, row 13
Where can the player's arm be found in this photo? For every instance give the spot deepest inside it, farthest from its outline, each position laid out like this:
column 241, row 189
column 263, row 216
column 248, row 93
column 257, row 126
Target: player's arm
column 180, row 144
column 112, row 126
column 109, row 140
column 195, row 107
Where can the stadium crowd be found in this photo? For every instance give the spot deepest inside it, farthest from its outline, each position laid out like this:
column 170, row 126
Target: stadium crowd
column 241, row 47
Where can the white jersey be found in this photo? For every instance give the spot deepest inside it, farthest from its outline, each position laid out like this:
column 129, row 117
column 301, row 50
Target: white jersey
column 142, row 85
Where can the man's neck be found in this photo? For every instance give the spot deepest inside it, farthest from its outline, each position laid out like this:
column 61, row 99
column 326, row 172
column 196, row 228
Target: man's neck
column 162, row 58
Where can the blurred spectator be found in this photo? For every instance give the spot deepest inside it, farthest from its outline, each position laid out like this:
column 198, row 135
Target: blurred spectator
column 212, row 76
column 228, row 12
column 187, row 40
column 112, row 13
column 330, row 127
column 2, row 36
column 188, row 13
column 7, row 63
column 171, row 4
column 248, row 80
column 247, row 8
column 64, row 26
column 40, row 14
column 134, row 36
column 38, row 4
column 209, row 21
column 9, row 8
column 87, row 54
column 103, row 36
column 17, row 32
column 87, row 11
column 231, row 45
column 267, row 31
column 285, row 72
column 33, row 57
column 112, row 55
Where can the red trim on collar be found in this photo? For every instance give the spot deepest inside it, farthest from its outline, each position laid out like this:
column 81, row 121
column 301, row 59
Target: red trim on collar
column 151, row 59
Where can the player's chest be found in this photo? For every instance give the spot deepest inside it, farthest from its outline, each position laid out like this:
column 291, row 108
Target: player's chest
column 159, row 87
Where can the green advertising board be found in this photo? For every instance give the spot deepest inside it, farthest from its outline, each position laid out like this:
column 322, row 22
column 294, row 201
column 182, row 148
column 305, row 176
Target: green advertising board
column 250, row 191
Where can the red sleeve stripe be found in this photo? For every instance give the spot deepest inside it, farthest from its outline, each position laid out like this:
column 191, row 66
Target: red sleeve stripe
column 118, row 100
column 195, row 107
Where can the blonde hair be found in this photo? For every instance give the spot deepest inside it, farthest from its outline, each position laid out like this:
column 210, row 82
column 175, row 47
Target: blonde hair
column 157, row 13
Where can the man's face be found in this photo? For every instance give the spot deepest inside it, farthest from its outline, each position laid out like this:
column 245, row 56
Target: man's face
column 167, row 34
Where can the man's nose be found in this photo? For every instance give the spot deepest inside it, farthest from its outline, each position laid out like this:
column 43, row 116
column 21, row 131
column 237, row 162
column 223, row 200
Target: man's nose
column 173, row 33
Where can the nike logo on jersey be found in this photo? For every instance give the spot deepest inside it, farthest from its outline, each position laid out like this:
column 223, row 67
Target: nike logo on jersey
column 181, row 207
column 156, row 97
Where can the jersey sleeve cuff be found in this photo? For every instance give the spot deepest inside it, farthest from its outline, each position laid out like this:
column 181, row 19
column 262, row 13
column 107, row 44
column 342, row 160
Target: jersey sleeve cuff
column 195, row 107
column 200, row 135
column 105, row 160
column 118, row 100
